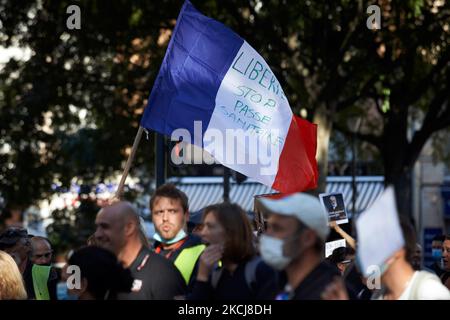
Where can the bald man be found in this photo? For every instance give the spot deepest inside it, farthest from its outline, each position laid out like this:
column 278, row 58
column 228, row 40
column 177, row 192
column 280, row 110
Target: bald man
column 41, row 251
column 119, row 230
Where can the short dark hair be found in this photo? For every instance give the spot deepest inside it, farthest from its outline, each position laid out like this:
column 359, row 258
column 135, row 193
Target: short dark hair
column 11, row 236
column 102, row 270
column 239, row 245
column 340, row 254
column 439, row 238
column 409, row 235
column 169, row 190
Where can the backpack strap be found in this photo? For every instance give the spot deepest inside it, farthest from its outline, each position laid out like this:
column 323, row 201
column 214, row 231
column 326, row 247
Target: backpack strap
column 215, row 276
column 250, row 271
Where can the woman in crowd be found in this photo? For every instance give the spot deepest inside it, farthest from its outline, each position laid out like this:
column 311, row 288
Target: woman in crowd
column 229, row 268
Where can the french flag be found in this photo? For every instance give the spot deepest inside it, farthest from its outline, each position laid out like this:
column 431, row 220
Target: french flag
column 213, row 84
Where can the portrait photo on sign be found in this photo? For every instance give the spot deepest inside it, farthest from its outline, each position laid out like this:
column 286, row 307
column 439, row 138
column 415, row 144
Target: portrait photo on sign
column 334, row 205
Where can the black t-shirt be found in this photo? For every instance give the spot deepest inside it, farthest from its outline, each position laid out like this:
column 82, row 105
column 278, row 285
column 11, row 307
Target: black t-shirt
column 315, row 282
column 51, row 283
column 233, row 285
column 156, row 278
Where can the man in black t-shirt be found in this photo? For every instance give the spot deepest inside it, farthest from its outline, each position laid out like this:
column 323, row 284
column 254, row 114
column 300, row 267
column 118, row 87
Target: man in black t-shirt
column 156, row 278
column 297, row 227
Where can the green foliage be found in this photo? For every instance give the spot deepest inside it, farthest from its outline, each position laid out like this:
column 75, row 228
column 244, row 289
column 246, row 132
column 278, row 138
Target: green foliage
column 72, row 109
column 72, row 227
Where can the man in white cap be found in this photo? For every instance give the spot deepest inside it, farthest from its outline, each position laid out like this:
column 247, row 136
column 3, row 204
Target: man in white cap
column 297, row 228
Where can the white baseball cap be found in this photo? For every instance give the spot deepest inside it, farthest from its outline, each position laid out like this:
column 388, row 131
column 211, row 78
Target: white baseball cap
column 302, row 206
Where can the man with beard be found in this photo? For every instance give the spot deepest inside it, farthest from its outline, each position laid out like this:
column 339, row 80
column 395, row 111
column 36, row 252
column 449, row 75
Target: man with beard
column 170, row 214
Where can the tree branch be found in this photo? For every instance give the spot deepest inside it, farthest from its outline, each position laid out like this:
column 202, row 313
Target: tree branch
column 371, row 138
column 433, row 122
column 426, row 82
column 362, row 93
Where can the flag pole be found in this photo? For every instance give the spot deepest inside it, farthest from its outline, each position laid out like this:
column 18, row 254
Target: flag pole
column 137, row 139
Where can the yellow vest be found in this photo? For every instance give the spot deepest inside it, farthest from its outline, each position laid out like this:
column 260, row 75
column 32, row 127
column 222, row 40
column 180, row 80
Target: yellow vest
column 185, row 262
column 40, row 276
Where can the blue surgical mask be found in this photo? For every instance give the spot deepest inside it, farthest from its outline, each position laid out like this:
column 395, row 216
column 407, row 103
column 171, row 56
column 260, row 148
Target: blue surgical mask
column 180, row 235
column 436, row 254
column 63, row 293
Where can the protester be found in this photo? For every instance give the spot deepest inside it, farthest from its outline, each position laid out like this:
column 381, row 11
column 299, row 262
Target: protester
column 229, row 267
column 436, row 253
column 445, row 276
column 342, row 257
column 356, row 284
column 335, row 290
column 348, row 238
column 194, row 225
column 11, row 282
column 40, row 281
column 119, row 230
column 101, row 274
column 402, row 282
column 41, row 251
column 297, row 228
column 170, row 214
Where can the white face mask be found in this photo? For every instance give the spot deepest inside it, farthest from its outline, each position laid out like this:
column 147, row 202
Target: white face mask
column 271, row 250
column 180, row 235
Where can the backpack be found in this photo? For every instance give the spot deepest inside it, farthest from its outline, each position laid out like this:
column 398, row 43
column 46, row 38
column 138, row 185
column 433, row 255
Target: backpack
column 250, row 273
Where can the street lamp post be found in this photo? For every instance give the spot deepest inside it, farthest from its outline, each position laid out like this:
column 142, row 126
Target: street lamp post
column 356, row 125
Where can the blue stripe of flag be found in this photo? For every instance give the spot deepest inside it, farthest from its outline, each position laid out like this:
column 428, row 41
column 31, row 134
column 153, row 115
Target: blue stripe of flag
column 199, row 55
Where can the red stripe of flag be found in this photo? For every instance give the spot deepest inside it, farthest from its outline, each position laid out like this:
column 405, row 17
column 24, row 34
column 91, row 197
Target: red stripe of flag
column 297, row 167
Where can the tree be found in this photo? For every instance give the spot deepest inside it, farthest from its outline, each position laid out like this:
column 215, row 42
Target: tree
column 72, row 109
column 336, row 68
column 411, row 96
column 331, row 66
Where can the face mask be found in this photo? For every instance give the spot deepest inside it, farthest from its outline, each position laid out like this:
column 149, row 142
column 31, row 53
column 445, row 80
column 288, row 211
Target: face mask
column 63, row 293
column 272, row 252
column 180, row 235
column 436, row 254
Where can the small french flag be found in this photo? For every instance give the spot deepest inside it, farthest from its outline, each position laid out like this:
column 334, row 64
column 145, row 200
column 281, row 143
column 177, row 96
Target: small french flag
column 213, row 85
